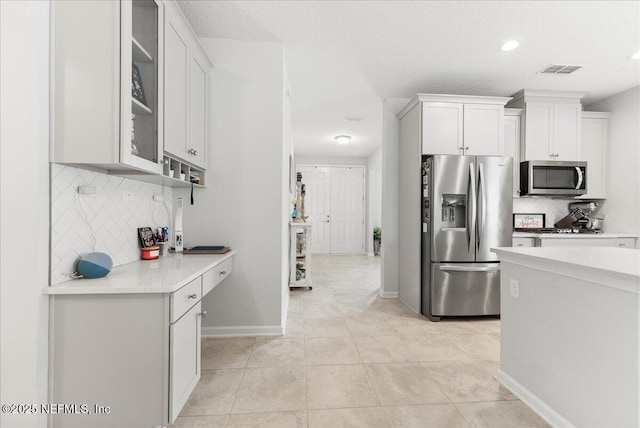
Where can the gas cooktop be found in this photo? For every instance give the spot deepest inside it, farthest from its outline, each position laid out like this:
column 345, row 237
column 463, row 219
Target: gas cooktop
column 556, row 230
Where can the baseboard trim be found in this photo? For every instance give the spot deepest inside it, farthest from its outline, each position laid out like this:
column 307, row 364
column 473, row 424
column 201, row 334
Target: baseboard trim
column 545, row 411
column 250, row 330
column 388, row 294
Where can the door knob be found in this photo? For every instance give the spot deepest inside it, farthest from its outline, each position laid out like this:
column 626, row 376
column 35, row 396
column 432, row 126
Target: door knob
column 203, row 314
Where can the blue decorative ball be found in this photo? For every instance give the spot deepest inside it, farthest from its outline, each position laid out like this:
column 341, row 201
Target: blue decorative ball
column 95, row 265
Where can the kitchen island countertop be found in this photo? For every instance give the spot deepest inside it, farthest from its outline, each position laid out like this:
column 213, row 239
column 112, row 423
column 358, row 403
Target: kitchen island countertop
column 163, row 275
column 573, row 235
column 608, row 266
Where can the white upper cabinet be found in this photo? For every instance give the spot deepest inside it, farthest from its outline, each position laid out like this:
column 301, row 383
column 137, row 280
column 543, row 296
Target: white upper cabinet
column 595, row 129
column 186, row 70
column 461, row 125
column 176, row 71
column 442, row 128
column 551, row 124
column 107, row 79
column 512, row 144
column 483, row 129
column 566, row 131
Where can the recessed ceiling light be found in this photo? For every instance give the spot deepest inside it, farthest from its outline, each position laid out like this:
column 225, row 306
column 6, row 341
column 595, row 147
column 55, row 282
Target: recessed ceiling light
column 343, row 139
column 635, row 55
column 509, row 46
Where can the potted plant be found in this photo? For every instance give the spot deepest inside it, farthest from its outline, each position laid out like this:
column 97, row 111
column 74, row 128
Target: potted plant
column 377, row 233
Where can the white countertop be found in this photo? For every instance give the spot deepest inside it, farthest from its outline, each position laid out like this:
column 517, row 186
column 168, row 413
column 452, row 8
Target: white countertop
column 163, row 275
column 572, row 235
column 609, row 266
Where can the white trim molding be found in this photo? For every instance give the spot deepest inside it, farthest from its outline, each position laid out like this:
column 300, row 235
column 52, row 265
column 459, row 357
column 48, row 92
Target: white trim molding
column 546, row 412
column 250, row 330
column 388, row 294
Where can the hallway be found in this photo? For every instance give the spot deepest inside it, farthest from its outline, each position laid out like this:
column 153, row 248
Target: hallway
column 351, row 358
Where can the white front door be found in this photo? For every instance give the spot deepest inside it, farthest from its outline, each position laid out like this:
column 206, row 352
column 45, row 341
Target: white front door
column 317, row 181
column 347, row 210
column 334, row 204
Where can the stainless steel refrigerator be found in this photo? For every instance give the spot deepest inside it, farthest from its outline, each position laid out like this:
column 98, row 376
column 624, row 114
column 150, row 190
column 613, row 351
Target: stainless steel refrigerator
column 467, row 206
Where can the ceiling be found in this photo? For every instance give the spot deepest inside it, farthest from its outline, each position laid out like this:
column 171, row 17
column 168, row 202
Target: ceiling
column 344, row 58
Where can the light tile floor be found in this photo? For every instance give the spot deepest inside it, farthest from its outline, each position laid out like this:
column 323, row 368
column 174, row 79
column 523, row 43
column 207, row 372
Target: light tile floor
column 349, row 358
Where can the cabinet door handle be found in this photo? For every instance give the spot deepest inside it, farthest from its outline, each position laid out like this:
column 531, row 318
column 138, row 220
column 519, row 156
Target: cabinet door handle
column 192, row 296
column 203, row 314
column 224, row 272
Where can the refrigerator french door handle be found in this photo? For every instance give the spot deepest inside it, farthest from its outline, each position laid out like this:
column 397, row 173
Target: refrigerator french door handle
column 471, row 206
column 482, row 206
column 580, row 177
column 470, row 268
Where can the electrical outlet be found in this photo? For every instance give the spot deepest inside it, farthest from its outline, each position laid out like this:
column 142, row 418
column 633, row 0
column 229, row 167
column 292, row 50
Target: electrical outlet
column 158, row 198
column 128, row 195
column 87, row 190
column 514, row 288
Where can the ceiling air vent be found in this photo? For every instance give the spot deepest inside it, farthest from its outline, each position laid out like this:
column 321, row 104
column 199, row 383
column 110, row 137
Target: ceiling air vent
column 560, row 69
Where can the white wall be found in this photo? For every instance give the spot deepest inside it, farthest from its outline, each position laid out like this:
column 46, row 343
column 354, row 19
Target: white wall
column 623, row 161
column 242, row 206
column 374, row 196
column 24, row 207
column 390, row 192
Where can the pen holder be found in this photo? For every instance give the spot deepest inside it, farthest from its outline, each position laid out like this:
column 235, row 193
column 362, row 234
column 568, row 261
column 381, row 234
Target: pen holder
column 164, row 248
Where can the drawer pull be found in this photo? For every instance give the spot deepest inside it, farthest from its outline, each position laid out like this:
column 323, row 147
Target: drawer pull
column 622, row 245
column 520, row 245
column 192, row 296
column 224, row 272
column 203, row 314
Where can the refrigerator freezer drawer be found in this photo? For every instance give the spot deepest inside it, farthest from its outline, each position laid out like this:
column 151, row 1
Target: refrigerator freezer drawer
column 465, row 289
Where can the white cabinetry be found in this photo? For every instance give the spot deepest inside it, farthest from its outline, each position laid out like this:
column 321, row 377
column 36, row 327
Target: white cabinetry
column 300, row 255
column 524, row 242
column 186, row 69
column 106, row 79
column 138, row 352
column 595, row 128
column 458, row 125
column 551, row 124
column 483, row 129
column 512, row 144
column 442, row 131
column 588, row 242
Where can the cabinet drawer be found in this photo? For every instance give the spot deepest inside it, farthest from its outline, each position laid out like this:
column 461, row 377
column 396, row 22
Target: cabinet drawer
column 524, row 242
column 185, row 298
column 216, row 275
column 589, row 242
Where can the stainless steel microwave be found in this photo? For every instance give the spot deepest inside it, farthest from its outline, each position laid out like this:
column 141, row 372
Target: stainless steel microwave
column 553, row 178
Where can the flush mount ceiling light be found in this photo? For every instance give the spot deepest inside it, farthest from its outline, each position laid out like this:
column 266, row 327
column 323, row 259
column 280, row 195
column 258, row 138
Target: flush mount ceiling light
column 635, row 55
column 509, row 46
column 343, row 139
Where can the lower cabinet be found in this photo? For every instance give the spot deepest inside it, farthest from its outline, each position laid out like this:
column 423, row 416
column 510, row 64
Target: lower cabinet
column 128, row 359
column 524, row 242
column 184, row 358
column 588, row 242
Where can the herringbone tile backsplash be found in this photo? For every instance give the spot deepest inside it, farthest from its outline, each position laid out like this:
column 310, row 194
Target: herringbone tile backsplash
column 113, row 220
column 554, row 209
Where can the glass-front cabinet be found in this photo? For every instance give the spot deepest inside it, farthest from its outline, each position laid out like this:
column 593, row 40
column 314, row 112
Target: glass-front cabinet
column 141, row 143
column 106, row 71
